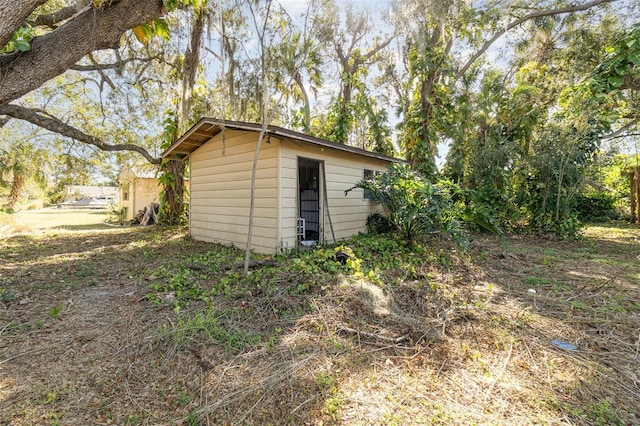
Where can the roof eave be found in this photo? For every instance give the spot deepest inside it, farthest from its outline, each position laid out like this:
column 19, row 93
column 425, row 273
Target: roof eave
column 181, row 147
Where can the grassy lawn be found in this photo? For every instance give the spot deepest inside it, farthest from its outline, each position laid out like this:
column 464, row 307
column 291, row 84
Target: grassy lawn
column 51, row 218
column 146, row 326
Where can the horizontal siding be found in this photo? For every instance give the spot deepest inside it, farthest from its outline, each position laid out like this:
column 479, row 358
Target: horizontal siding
column 231, row 192
column 236, row 235
column 236, row 170
column 203, row 213
column 233, row 174
column 230, row 206
column 343, row 170
column 221, row 191
column 242, row 221
column 259, row 244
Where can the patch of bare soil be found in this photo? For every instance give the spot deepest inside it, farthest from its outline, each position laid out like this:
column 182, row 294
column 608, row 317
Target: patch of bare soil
column 520, row 331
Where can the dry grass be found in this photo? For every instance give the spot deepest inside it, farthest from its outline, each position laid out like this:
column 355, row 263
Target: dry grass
column 51, row 218
column 459, row 340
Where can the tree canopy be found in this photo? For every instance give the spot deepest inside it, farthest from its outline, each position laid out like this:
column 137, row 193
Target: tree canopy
column 520, row 94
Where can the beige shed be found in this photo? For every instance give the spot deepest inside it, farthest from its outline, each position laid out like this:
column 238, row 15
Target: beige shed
column 139, row 187
column 300, row 185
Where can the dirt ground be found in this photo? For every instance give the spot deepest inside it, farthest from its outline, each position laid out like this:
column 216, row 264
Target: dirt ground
column 524, row 330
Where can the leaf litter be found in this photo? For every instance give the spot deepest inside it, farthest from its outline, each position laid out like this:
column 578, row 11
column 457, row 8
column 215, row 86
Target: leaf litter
column 461, row 340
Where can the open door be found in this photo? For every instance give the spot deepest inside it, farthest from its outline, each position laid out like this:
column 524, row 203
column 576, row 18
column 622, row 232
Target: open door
column 309, row 200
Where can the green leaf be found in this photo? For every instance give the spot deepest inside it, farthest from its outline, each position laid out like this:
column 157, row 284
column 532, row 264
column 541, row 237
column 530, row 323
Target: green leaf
column 170, row 5
column 161, row 28
column 621, row 69
column 140, row 34
column 22, row 45
column 615, row 81
column 634, row 58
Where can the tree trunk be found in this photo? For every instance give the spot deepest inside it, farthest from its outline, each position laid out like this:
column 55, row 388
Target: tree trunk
column 634, row 195
column 174, row 209
column 305, row 99
column 12, row 16
column 559, row 193
column 94, row 28
column 173, row 206
column 16, row 189
column 266, row 118
column 191, row 63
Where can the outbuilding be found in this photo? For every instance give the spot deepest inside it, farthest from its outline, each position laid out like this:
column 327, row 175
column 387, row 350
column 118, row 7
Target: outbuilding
column 300, row 185
column 139, row 187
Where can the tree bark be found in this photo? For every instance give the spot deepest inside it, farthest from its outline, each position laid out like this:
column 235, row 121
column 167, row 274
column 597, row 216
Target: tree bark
column 16, row 188
column 297, row 78
column 173, row 192
column 191, row 61
column 621, row 130
column 12, row 16
column 173, row 187
column 94, row 28
column 266, row 118
column 58, row 16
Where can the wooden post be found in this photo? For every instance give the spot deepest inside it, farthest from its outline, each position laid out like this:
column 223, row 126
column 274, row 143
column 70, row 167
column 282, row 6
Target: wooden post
column 636, row 185
column 634, row 195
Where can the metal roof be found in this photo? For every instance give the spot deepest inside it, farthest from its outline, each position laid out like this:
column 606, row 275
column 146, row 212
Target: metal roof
column 206, row 128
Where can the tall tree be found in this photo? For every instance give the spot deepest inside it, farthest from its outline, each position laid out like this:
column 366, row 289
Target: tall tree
column 74, row 38
column 172, row 209
column 434, row 31
column 21, row 163
column 98, row 25
column 352, row 43
column 299, row 58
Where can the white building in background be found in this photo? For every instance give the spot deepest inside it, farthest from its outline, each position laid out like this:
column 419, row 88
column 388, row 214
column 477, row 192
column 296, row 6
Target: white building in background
column 138, row 188
column 78, row 192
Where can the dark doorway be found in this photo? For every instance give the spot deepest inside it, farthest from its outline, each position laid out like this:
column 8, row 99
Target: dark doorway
column 309, row 197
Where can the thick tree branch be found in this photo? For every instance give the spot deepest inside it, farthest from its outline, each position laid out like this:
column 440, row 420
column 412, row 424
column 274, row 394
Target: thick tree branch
column 626, row 135
column 54, row 53
column 377, row 49
column 56, row 125
column 12, row 16
column 619, row 133
column 513, row 24
column 94, row 66
column 58, row 16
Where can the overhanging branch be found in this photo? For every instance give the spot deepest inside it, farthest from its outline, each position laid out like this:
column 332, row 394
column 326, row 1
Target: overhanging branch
column 56, row 125
column 94, row 28
column 626, row 135
column 94, row 66
column 619, row 133
column 513, row 24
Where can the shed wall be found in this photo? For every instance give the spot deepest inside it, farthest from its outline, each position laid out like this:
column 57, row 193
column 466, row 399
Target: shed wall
column 342, row 170
column 145, row 192
column 220, row 189
column 137, row 193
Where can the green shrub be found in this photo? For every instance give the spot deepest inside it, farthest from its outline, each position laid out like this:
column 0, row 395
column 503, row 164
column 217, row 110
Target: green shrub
column 413, row 205
column 379, row 224
column 597, row 207
column 118, row 215
column 484, row 209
